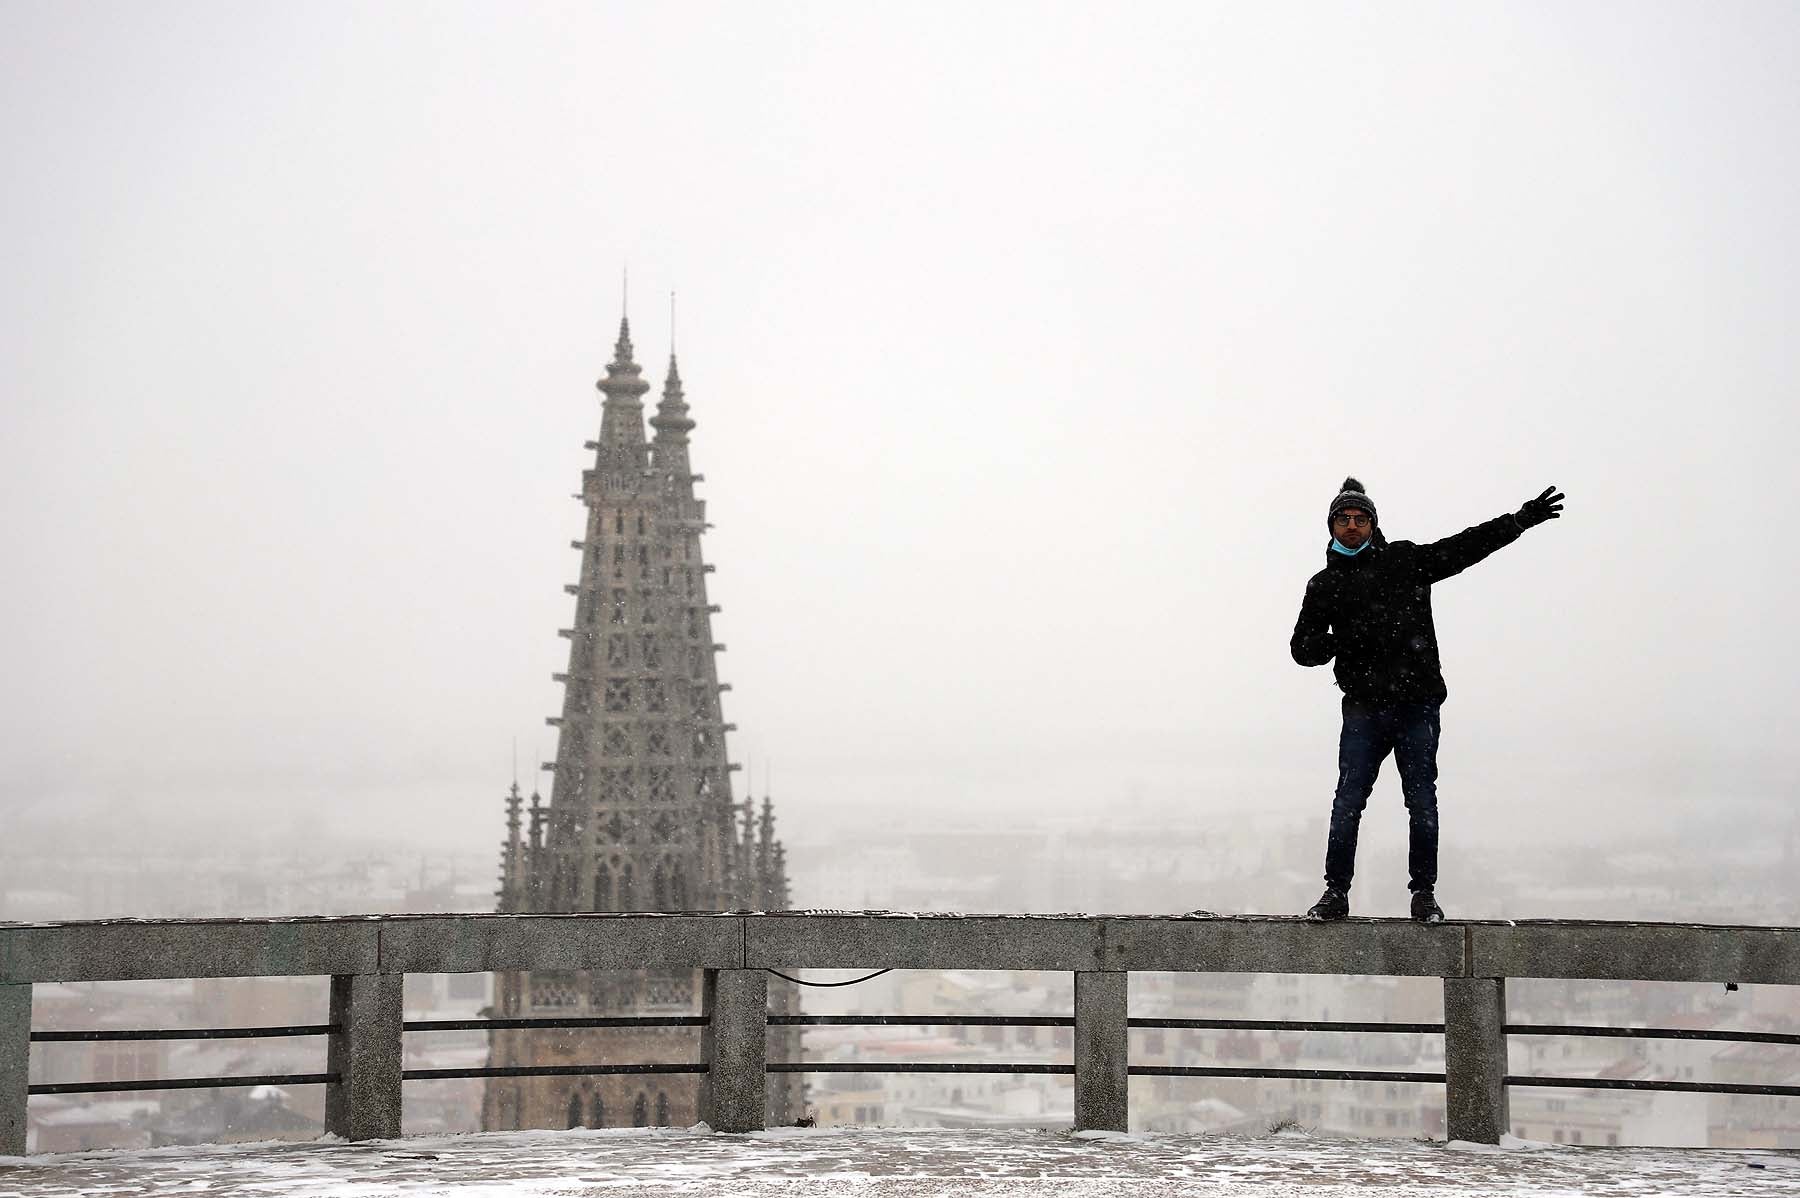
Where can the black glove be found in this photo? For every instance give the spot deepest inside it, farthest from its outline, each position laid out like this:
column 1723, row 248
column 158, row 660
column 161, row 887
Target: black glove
column 1536, row 511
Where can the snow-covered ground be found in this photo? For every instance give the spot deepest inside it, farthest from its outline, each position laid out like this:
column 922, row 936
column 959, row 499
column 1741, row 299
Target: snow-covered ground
column 797, row 1163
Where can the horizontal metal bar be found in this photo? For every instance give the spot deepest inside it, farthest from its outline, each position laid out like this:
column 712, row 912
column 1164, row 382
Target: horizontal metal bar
column 198, row 1033
column 630, row 1021
column 923, row 1020
column 426, row 1075
column 452, row 1025
column 1622, row 1083
column 1322, row 1075
column 1648, row 1033
column 186, row 1083
column 1249, row 1025
column 1291, row 1025
column 910, row 1067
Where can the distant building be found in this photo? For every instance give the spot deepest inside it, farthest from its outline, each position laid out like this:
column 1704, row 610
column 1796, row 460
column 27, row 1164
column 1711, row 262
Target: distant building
column 641, row 815
column 57, row 1125
column 235, row 1116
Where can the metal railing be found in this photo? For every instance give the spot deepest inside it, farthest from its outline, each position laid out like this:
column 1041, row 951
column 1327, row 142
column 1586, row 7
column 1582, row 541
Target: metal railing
column 1651, row 1033
column 367, row 959
column 553, row 1023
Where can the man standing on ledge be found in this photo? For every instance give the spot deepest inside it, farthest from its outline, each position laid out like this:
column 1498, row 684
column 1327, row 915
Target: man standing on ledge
column 1370, row 608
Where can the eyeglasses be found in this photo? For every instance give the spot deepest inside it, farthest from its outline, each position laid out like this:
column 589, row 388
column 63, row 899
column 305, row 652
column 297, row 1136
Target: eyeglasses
column 1344, row 520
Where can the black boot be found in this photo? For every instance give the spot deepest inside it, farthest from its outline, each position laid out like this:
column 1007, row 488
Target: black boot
column 1425, row 907
column 1333, row 904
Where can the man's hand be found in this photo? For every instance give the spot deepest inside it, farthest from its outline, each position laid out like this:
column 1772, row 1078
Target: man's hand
column 1536, row 511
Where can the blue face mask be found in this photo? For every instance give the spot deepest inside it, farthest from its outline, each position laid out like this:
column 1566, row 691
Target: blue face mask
column 1337, row 547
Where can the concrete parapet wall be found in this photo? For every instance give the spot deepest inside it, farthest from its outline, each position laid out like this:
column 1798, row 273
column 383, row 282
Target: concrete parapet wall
column 368, row 957
column 125, row 950
column 478, row 943
column 905, row 941
column 134, row 949
column 1250, row 944
column 1653, row 952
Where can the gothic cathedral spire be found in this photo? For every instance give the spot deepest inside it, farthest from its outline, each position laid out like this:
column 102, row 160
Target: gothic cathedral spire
column 642, row 783
column 641, row 816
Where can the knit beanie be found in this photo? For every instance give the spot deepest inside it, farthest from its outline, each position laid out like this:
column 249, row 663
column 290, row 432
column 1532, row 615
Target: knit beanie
column 1353, row 495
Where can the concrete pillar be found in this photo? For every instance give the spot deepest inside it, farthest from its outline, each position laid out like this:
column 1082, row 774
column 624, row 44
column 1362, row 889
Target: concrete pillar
column 1475, row 1059
column 735, row 1047
column 1102, row 1048
column 15, row 1066
column 365, row 1053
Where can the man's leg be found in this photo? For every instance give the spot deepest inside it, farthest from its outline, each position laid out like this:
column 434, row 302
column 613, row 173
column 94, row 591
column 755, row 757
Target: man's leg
column 1415, row 755
column 1361, row 746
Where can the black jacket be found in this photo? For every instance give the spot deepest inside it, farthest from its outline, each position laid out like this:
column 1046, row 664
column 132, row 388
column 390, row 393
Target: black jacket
column 1377, row 608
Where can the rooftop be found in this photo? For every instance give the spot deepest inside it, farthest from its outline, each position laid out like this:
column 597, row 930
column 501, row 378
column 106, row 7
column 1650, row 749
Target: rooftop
column 796, row 1163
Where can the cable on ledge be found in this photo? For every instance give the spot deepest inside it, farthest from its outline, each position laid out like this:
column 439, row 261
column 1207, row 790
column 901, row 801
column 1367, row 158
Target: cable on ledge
column 799, row 982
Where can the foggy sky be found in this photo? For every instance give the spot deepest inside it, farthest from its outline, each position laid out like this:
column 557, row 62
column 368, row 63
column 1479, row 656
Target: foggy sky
column 1028, row 345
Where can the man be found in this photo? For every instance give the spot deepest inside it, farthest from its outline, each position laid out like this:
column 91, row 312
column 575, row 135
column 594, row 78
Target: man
column 1371, row 609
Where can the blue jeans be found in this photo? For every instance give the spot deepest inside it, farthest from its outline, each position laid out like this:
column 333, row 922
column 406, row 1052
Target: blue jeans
column 1371, row 731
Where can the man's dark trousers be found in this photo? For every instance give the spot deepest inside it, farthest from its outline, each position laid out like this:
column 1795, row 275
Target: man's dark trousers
column 1371, row 732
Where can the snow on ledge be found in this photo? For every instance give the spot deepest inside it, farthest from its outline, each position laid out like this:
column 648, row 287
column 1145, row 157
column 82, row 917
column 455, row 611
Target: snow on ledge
column 801, row 1162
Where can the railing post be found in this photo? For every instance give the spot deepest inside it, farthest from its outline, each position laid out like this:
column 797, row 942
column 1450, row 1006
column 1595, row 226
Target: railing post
column 15, row 1065
column 1102, row 1051
column 365, row 1053
column 734, row 1045
column 1475, row 1059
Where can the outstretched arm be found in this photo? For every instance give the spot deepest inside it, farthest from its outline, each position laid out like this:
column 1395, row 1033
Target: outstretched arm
column 1312, row 643
column 1453, row 555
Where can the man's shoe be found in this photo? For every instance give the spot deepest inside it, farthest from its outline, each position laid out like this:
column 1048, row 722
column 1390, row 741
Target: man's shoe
column 1333, row 904
column 1425, row 907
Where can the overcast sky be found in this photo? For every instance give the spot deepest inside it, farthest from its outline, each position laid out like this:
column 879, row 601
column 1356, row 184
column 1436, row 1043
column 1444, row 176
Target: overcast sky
column 1028, row 344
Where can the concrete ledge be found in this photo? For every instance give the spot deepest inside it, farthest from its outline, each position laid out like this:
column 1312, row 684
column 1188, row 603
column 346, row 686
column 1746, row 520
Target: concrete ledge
column 902, row 941
column 478, row 943
column 1637, row 952
column 132, row 950
column 126, row 950
column 1251, row 944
